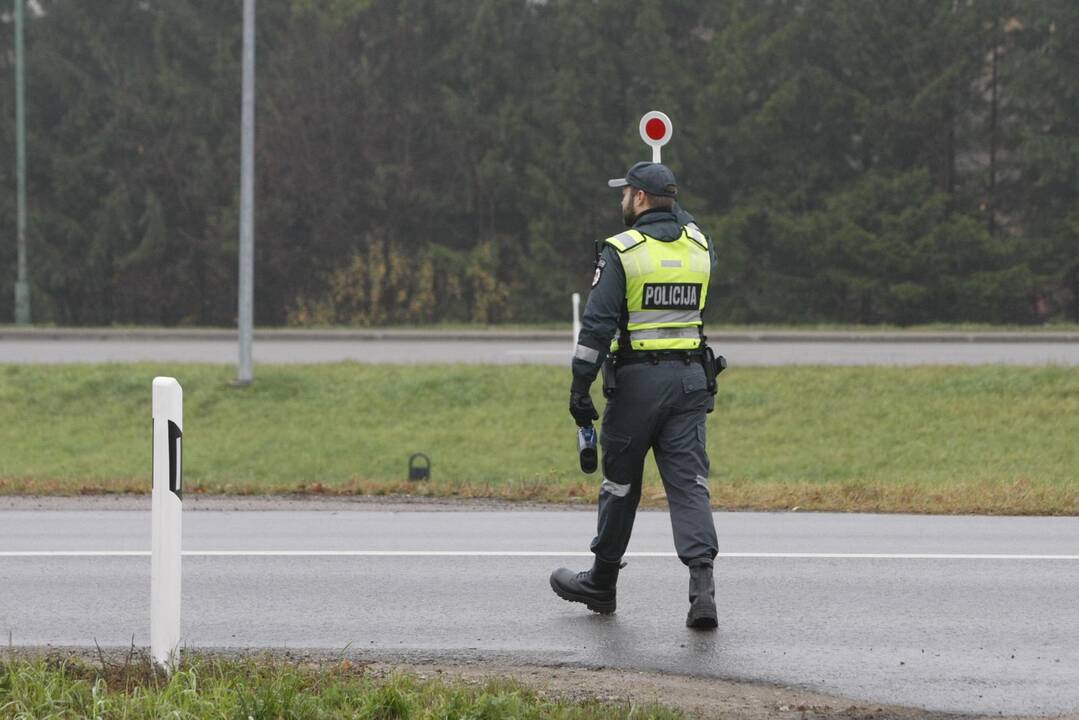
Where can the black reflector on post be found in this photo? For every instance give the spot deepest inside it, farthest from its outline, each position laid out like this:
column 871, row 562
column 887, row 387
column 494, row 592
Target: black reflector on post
column 175, row 471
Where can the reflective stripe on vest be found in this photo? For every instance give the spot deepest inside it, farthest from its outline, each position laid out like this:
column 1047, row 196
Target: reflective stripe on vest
column 689, row 333
column 626, row 241
column 696, row 235
column 640, row 317
column 666, row 288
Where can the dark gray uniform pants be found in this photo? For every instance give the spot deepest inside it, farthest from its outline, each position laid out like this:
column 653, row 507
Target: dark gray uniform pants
column 662, row 407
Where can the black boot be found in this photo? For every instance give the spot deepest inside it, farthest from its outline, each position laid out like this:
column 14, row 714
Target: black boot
column 702, row 595
column 594, row 588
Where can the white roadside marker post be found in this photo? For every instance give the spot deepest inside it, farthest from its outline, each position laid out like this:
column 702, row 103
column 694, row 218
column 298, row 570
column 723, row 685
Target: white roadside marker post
column 576, row 321
column 168, row 412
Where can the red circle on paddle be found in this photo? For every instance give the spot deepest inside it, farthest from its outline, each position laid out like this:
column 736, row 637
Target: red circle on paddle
column 655, row 129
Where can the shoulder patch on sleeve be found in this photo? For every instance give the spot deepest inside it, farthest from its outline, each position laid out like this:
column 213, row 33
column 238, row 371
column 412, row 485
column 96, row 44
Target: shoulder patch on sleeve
column 600, row 264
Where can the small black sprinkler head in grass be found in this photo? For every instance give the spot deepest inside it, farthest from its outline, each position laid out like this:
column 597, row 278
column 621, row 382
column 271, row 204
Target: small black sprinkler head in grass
column 419, row 467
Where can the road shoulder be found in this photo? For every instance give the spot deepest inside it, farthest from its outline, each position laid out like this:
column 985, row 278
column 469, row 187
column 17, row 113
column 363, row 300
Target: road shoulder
column 290, row 502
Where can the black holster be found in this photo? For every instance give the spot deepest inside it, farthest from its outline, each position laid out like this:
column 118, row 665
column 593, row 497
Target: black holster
column 713, row 365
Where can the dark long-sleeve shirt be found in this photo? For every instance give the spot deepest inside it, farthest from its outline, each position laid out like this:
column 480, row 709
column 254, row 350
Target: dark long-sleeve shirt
column 606, row 310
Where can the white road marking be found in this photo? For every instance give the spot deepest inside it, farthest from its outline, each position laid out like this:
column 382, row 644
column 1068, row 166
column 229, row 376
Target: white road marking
column 525, row 554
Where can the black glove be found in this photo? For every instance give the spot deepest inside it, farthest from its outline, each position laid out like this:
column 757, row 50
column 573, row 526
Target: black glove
column 582, row 409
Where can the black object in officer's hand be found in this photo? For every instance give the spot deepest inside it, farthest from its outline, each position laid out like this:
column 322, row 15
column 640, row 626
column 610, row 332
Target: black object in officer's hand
column 586, row 448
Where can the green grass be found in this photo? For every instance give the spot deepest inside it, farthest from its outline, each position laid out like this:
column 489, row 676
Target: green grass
column 1055, row 326
column 931, row 439
column 1052, row 326
column 214, row 688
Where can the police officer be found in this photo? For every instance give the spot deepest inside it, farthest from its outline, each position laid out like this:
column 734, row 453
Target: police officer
column 642, row 324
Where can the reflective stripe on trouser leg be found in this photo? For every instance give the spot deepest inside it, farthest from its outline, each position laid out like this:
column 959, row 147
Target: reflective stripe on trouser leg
column 682, row 457
column 614, row 488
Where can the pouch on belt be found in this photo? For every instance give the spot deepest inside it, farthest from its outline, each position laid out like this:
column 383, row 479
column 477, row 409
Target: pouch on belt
column 610, row 377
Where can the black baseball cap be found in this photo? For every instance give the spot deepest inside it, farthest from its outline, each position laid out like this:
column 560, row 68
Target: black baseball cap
column 653, row 178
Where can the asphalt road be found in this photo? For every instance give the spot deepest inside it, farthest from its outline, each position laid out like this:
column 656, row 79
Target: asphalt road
column 964, row 614
column 740, row 352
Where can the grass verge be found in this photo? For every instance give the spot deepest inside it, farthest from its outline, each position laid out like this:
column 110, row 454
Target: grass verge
column 562, row 326
column 271, row 688
column 988, row 439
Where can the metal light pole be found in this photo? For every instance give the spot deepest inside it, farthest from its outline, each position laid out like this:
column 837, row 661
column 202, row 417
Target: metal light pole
column 247, row 198
column 22, row 282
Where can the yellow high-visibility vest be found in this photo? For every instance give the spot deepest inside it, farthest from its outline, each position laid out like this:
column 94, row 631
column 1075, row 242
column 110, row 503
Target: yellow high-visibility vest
column 666, row 288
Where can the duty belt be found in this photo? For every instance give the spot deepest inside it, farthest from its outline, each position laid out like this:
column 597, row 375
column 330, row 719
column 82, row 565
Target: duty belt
column 656, row 356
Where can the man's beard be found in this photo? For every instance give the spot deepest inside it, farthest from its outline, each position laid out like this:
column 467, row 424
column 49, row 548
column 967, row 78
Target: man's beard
column 628, row 216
